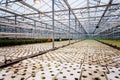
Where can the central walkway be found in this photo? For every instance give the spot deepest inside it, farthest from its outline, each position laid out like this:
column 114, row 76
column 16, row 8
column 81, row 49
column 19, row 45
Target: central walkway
column 86, row 60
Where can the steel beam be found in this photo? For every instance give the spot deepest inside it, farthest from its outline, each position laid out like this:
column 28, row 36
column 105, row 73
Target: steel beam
column 56, row 12
column 70, row 9
column 53, row 25
column 21, row 16
column 69, row 26
column 82, row 18
column 85, row 8
column 113, row 25
column 33, row 8
column 110, row 2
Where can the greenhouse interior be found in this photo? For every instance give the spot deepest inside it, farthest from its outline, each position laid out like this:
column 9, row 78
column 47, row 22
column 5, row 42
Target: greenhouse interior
column 59, row 39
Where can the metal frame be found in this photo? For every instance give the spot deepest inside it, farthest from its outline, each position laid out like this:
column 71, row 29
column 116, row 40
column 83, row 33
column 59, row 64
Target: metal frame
column 74, row 19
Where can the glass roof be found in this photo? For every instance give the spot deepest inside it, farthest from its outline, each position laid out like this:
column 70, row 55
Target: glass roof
column 90, row 13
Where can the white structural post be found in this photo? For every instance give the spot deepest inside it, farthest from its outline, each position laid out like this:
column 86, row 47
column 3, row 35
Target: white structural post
column 53, row 45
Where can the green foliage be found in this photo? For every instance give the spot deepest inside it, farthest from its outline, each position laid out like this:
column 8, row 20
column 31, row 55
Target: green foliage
column 112, row 42
column 12, row 76
column 0, row 69
column 21, row 41
column 22, row 78
column 55, row 79
column 64, row 39
column 12, row 42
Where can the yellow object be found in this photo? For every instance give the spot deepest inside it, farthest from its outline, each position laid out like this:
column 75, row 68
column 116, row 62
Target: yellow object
column 49, row 39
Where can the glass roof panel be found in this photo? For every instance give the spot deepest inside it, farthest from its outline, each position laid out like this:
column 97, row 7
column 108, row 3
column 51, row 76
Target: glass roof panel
column 87, row 11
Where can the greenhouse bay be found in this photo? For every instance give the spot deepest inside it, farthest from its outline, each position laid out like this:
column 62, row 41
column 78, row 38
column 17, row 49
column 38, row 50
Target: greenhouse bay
column 59, row 39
